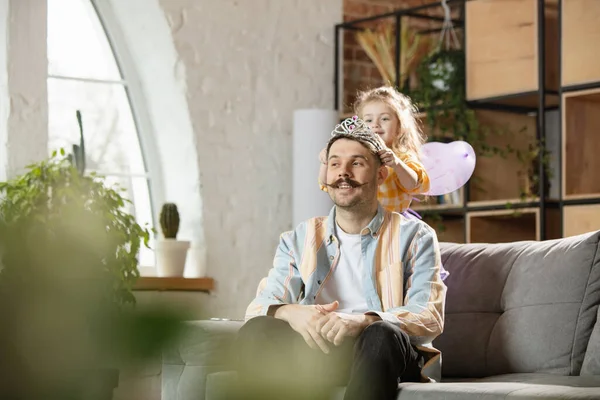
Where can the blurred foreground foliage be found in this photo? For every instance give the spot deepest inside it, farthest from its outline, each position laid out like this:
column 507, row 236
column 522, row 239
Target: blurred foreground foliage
column 68, row 262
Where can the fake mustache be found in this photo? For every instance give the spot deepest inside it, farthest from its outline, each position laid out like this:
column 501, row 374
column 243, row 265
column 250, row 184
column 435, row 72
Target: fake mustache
column 353, row 184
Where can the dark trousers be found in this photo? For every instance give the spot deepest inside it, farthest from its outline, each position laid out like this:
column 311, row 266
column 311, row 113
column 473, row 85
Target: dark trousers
column 274, row 362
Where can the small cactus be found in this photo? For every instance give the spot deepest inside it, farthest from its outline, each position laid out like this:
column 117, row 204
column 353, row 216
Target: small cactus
column 169, row 220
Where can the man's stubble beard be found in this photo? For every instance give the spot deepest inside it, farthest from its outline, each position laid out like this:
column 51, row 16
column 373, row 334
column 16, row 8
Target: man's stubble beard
column 363, row 201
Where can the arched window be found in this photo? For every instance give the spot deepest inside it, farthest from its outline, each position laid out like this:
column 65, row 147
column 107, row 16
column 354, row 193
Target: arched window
column 85, row 75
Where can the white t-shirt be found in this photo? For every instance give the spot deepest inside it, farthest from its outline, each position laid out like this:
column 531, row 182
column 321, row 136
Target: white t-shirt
column 345, row 283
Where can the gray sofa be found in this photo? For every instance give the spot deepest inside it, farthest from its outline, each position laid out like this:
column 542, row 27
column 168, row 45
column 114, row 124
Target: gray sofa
column 521, row 323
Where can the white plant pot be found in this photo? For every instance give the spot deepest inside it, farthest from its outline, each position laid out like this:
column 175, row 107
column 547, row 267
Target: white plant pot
column 196, row 266
column 171, row 256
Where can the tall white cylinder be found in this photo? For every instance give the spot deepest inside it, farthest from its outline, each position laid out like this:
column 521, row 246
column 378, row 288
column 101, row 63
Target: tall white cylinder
column 312, row 130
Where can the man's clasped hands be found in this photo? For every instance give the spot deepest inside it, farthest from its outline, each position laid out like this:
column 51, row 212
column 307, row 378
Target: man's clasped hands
column 321, row 325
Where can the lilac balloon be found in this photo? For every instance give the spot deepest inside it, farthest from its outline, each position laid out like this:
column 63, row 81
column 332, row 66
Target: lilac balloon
column 449, row 165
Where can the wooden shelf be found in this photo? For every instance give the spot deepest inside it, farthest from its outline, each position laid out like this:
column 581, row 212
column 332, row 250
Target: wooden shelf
column 449, row 201
column 448, row 229
column 502, row 69
column 524, row 100
column 435, row 133
column 580, row 30
column 436, row 207
column 581, row 143
column 502, row 226
column 495, row 179
column 581, row 196
column 553, row 223
column 581, row 219
column 178, row 284
column 502, row 48
column 503, row 202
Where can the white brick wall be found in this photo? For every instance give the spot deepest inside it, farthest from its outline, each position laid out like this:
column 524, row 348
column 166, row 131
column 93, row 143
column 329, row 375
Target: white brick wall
column 23, row 93
column 4, row 94
column 249, row 64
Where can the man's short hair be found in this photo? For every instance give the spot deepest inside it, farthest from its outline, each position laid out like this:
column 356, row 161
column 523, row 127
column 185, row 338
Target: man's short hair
column 371, row 141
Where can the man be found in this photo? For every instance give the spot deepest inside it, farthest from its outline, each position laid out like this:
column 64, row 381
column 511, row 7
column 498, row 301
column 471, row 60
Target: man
column 361, row 287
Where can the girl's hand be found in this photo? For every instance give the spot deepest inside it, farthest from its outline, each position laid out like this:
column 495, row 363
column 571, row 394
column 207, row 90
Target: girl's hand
column 323, row 156
column 323, row 169
column 388, row 158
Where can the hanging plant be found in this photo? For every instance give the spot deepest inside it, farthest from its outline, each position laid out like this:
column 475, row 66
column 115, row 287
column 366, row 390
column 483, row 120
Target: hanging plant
column 441, row 79
column 530, row 176
column 441, row 93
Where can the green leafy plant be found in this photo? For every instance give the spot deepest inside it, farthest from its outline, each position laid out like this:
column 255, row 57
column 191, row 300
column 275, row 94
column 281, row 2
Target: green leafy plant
column 68, row 262
column 67, row 257
column 530, row 176
column 441, row 93
column 53, row 195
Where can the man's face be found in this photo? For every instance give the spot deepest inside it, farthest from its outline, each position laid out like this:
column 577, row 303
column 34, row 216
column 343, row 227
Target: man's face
column 353, row 174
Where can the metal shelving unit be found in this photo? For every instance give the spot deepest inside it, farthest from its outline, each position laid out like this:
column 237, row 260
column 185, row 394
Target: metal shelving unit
column 545, row 99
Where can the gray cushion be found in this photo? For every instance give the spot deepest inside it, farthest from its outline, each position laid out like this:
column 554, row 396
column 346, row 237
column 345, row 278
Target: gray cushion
column 224, row 386
column 498, row 391
column 591, row 362
column 203, row 343
column 519, row 307
column 221, row 386
column 511, row 386
column 518, row 386
column 204, row 348
column 546, row 379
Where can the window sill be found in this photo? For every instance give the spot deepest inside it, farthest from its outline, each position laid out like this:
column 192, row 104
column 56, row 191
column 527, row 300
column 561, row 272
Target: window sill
column 174, row 284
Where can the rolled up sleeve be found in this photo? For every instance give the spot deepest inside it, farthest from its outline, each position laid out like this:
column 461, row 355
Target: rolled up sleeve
column 283, row 283
column 423, row 182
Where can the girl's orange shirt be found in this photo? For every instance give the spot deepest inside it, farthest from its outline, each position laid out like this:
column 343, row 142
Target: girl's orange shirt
column 395, row 197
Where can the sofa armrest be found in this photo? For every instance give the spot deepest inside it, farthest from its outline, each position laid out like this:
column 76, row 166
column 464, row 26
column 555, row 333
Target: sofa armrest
column 203, row 348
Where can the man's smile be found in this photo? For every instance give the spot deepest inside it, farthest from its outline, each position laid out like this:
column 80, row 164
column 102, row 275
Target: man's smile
column 346, row 185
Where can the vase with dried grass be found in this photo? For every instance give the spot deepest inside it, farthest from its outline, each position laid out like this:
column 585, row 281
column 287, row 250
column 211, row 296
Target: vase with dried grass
column 379, row 44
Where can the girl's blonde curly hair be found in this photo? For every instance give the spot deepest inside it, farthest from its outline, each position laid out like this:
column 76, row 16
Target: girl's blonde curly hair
column 411, row 137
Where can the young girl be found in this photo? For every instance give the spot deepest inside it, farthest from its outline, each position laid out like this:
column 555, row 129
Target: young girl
column 391, row 115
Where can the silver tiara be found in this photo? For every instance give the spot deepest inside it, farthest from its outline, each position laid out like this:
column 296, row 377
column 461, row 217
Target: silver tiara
column 351, row 126
column 356, row 127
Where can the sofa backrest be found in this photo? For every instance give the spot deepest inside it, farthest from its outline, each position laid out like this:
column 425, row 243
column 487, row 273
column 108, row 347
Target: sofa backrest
column 519, row 307
column 591, row 362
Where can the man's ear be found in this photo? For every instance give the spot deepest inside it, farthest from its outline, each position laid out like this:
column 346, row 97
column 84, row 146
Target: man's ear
column 382, row 174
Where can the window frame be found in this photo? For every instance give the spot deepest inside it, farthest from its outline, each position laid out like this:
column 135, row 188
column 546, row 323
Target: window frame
column 157, row 92
column 137, row 102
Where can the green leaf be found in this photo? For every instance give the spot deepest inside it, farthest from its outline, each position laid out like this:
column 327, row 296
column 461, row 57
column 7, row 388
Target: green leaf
column 52, row 198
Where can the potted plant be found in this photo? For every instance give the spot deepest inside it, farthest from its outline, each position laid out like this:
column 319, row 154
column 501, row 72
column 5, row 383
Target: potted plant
column 68, row 256
column 379, row 45
column 52, row 190
column 68, row 264
column 171, row 254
